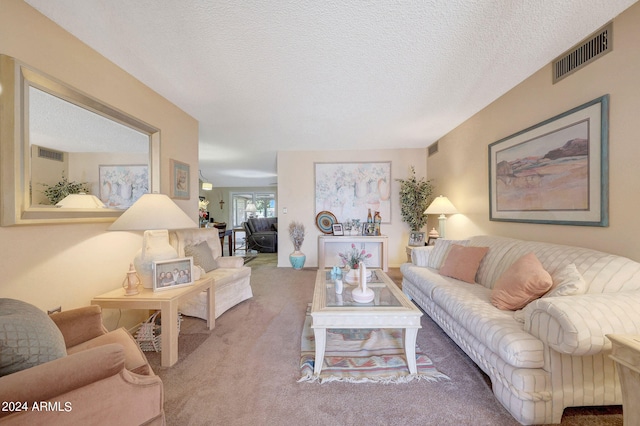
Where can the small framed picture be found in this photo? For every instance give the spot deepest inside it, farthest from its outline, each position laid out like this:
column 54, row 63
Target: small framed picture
column 369, row 229
column 173, row 273
column 179, row 174
column 337, row 229
column 416, row 239
column 432, row 241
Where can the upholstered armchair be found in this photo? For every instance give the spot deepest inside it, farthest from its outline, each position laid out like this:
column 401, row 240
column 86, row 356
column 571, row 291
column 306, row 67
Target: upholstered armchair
column 262, row 234
column 68, row 369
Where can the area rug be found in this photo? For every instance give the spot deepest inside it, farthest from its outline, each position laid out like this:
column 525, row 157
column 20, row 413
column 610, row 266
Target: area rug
column 362, row 356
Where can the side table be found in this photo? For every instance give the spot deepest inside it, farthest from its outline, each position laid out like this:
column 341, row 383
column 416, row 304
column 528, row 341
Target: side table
column 626, row 354
column 167, row 302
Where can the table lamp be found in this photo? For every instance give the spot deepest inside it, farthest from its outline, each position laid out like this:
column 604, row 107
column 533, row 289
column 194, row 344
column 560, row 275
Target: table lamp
column 251, row 209
column 442, row 206
column 154, row 214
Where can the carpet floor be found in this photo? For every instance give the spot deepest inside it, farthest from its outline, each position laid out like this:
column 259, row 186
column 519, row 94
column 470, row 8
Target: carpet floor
column 245, row 372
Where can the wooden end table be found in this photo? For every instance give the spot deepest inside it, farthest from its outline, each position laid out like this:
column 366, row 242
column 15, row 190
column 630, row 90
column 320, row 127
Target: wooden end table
column 167, row 302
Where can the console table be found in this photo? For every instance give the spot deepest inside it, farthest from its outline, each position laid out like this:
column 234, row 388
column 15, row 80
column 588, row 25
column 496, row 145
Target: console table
column 382, row 240
column 167, row 302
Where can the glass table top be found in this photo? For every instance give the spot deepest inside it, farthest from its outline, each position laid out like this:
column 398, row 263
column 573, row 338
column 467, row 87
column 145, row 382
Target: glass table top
column 383, row 295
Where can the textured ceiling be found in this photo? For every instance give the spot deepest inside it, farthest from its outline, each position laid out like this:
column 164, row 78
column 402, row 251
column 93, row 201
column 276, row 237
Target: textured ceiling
column 262, row 76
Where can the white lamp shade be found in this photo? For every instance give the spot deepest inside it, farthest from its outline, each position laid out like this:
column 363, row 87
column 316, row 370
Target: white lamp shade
column 251, row 208
column 441, row 205
column 153, row 211
column 80, row 201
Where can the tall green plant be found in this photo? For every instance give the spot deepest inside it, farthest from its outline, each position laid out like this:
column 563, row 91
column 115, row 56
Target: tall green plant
column 415, row 197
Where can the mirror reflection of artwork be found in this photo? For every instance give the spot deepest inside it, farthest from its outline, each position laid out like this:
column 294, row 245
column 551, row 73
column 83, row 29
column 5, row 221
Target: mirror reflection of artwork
column 122, row 185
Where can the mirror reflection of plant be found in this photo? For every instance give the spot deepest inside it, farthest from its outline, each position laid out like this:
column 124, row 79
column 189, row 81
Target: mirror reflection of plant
column 57, row 192
column 415, row 197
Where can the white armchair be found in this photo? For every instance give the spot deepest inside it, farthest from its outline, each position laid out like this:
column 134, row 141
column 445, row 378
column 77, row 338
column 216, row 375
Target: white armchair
column 231, row 278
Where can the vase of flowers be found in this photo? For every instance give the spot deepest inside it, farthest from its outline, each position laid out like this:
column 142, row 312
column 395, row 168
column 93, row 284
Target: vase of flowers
column 351, row 259
column 296, row 233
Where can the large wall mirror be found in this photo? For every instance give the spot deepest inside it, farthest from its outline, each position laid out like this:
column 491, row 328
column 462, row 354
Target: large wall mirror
column 54, row 139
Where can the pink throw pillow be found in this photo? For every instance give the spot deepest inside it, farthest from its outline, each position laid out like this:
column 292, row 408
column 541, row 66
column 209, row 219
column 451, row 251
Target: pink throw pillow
column 524, row 281
column 462, row 262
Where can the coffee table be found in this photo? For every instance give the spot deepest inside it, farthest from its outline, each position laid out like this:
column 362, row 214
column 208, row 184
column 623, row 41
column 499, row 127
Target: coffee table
column 389, row 309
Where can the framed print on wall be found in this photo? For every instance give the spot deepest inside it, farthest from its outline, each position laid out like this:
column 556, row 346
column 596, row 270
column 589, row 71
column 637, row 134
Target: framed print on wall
column 349, row 190
column 555, row 172
column 179, row 180
column 122, row 184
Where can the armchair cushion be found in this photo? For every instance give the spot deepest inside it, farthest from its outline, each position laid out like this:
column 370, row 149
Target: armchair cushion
column 135, row 361
column 80, row 324
column 28, row 337
column 202, row 256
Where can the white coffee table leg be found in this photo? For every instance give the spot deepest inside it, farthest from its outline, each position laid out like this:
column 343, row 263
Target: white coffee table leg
column 410, row 335
column 320, row 335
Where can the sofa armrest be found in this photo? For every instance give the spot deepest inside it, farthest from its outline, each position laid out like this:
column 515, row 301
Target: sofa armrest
column 234, row 262
column 65, row 374
column 420, row 255
column 578, row 325
column 79, row 325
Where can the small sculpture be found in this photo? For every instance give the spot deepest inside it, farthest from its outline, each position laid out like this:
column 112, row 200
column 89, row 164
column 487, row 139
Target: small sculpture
column 362, row 294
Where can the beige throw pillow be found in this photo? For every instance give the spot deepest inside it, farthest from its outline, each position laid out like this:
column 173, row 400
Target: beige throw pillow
column 440, row 251
column 524, row 281
column 202, row 256
column 567, row 282
column 463, row 262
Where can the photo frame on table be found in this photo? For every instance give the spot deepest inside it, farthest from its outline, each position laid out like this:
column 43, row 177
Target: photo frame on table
column 120, row 185
column 337, row 229
column 416, row 239
column 369, row 229
column 180, row 177
column 555, row 172
column 173, row 273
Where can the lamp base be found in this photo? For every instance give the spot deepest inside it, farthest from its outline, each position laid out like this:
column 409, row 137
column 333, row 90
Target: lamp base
column 155, row 246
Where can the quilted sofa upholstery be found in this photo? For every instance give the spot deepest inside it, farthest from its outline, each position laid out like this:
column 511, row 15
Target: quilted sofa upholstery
column 558, row 357
column 231, row 277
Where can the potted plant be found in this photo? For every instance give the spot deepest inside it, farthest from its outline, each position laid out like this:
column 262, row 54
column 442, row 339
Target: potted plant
column 415, row 196
column 57, row 192
column 296, row 233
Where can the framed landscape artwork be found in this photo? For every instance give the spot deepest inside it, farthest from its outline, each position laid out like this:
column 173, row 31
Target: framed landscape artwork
column 349, row 190
column 555, row 172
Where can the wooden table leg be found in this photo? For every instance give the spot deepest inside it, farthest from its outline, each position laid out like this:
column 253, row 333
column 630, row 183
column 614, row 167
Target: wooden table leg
column 410, row 335
column 169, row 343
column 320, row 335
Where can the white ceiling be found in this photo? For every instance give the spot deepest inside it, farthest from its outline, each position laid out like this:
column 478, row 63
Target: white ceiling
column 262, row 76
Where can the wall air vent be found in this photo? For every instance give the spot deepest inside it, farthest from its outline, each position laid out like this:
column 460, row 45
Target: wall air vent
column 50, row 154
column 596, row 45
column 432, row 149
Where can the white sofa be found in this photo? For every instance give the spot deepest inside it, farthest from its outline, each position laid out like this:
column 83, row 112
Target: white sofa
column 231, row 277
column 557, row 357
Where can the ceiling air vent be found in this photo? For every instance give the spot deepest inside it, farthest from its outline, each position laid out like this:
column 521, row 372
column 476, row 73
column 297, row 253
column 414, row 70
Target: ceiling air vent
column 432, row 149
column 596, row 45
column 50, row 154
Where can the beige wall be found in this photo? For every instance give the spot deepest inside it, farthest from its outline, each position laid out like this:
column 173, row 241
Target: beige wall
column 296, row 193
column 460, row 166
column 69, row 264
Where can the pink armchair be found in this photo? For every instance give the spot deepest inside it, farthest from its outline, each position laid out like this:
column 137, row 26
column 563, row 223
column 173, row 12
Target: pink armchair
column 104, row 379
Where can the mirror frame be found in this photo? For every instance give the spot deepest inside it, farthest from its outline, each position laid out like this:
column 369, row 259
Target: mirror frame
column 15, row 165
